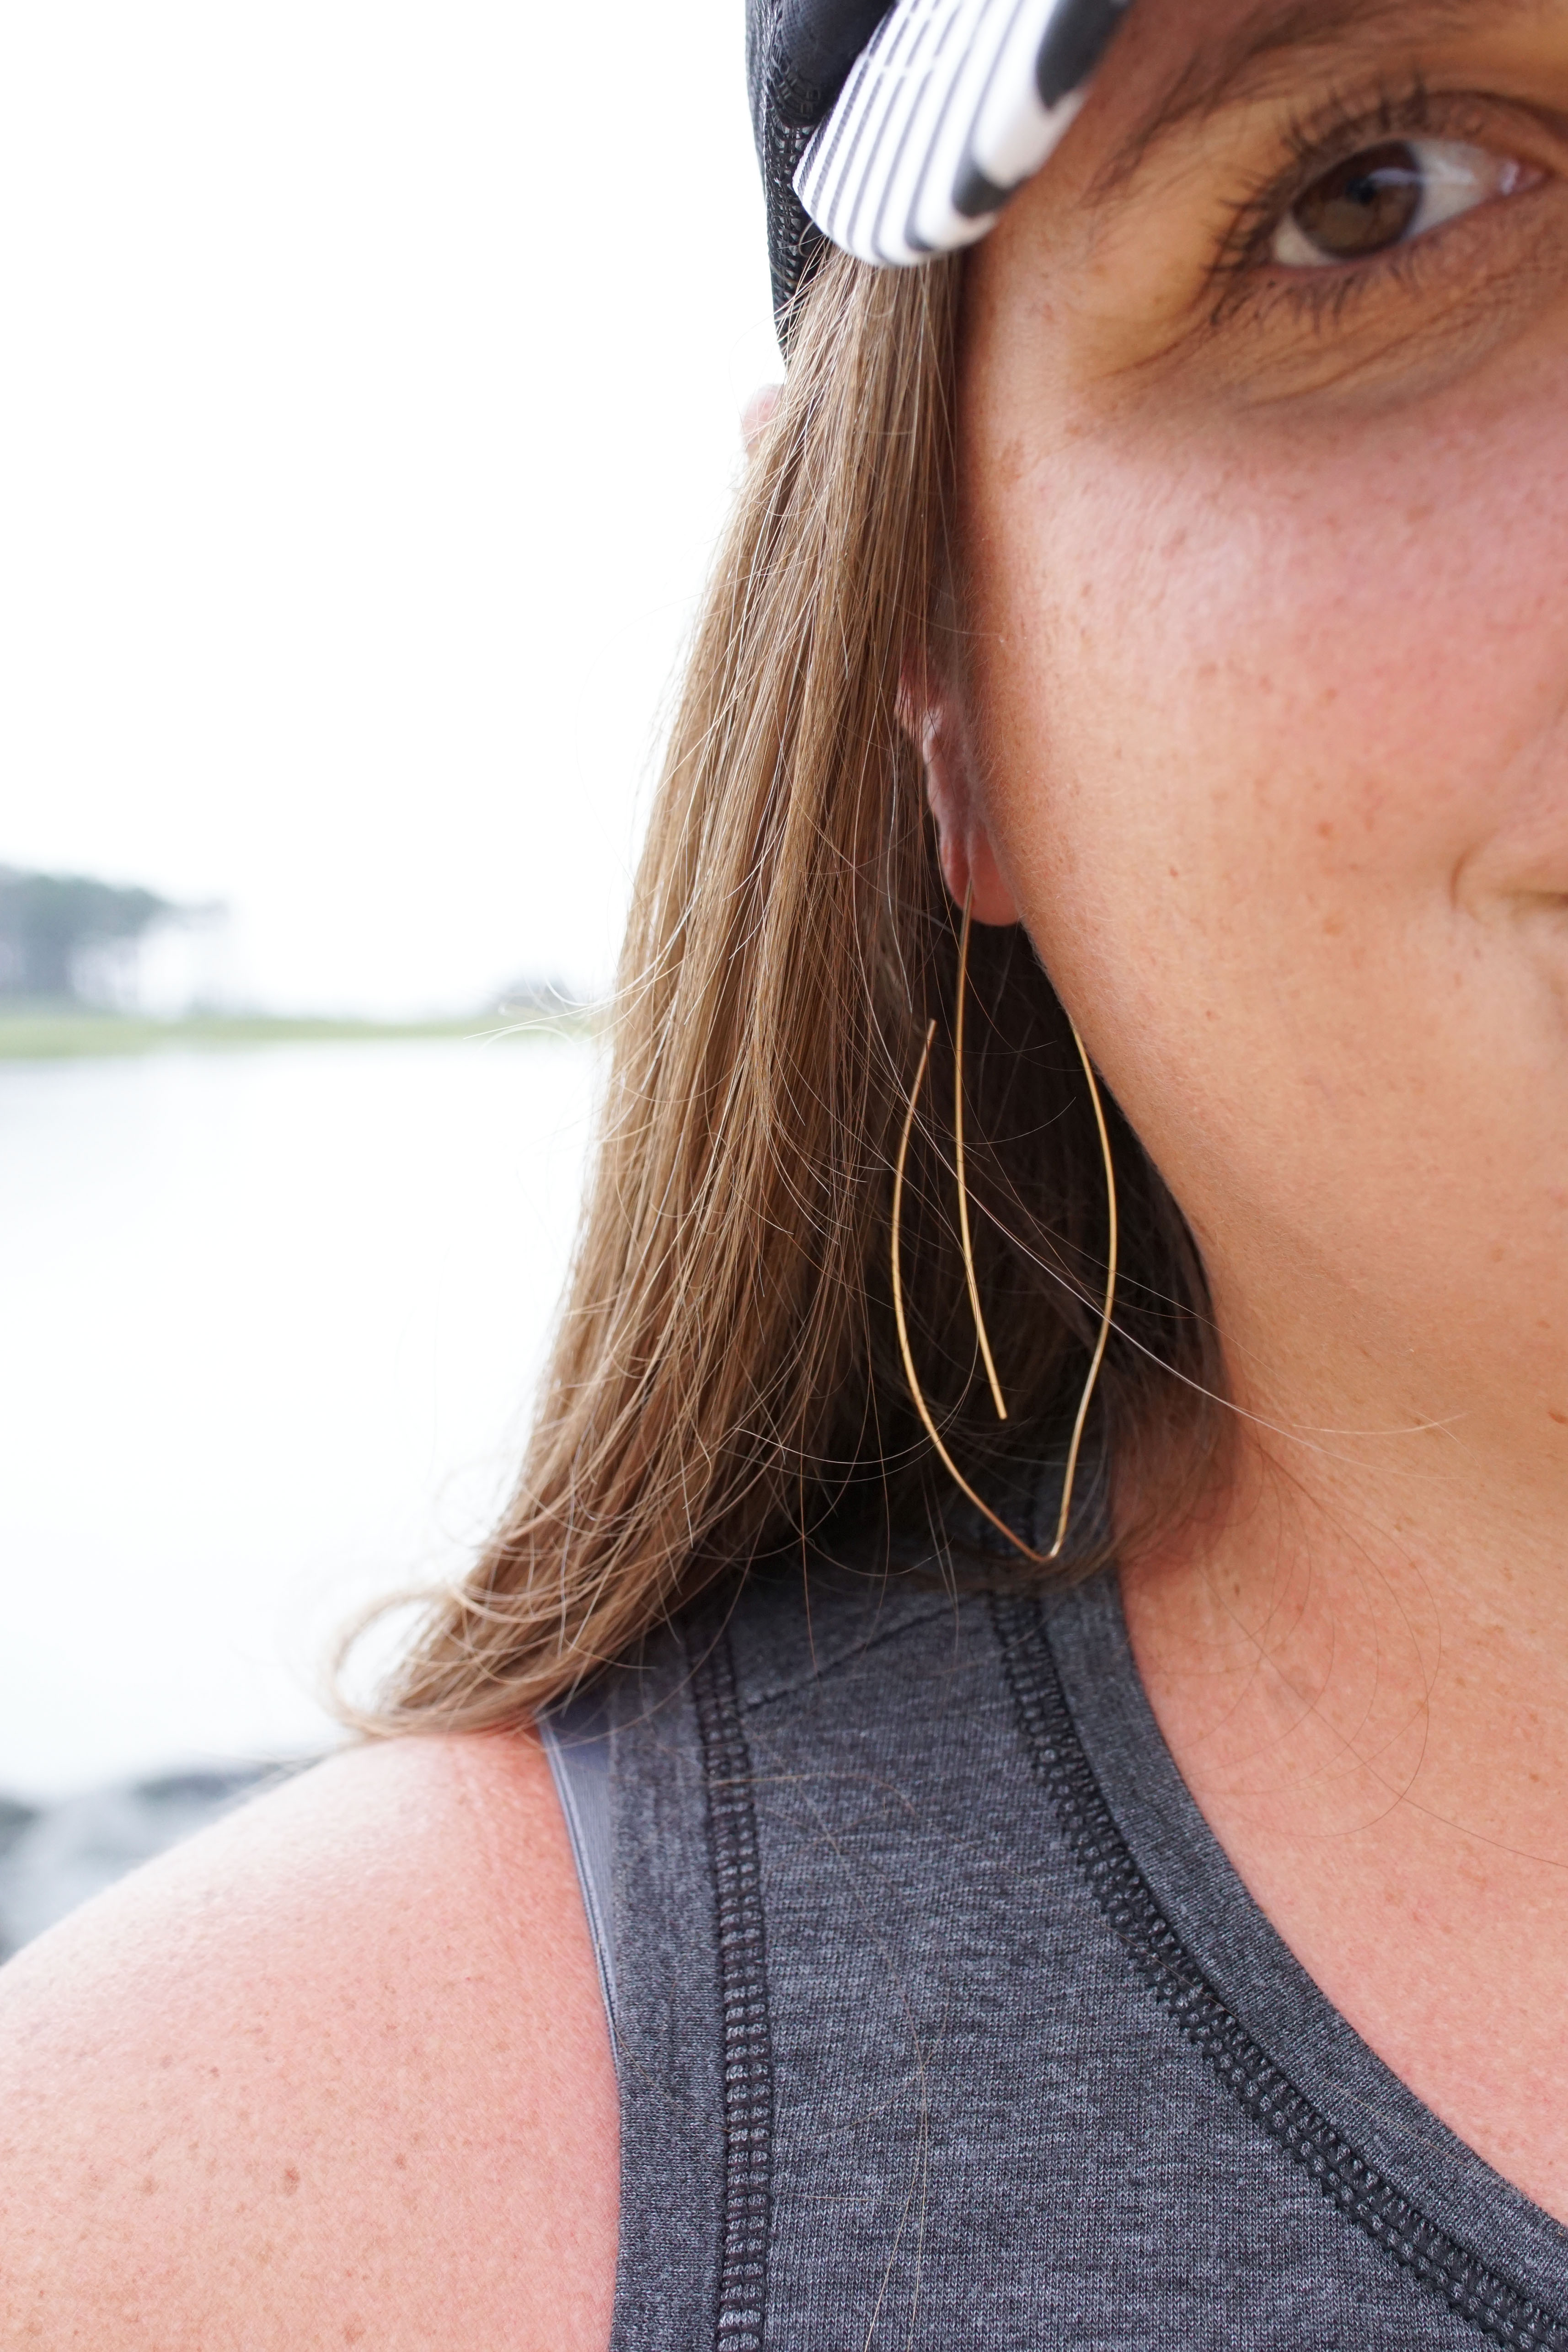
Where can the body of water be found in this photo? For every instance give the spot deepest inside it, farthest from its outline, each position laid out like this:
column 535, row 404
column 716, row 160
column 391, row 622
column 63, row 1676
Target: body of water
column 269, row 1323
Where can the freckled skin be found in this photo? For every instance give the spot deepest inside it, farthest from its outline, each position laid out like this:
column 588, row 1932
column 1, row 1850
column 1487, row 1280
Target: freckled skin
column 1262, row 733
column 337, row 2072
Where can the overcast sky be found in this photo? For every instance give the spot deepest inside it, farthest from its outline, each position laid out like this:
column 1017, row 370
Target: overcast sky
column 370, row 407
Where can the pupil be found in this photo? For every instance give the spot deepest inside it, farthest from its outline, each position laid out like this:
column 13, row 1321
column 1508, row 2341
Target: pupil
column 1366, row 204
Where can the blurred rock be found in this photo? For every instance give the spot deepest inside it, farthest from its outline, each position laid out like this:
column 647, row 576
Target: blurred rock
column 14, row 1820
column 54, row 1856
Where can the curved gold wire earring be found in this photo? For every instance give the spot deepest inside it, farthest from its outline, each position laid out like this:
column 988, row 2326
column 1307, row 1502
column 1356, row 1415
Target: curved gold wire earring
column 1039, row 1559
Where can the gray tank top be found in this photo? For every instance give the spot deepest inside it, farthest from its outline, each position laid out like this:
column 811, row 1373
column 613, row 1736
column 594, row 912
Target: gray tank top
column 941, row 2019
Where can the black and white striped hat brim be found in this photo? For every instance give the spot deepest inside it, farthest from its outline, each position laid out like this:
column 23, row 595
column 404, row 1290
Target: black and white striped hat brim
column 950, row 108
column 900, row 130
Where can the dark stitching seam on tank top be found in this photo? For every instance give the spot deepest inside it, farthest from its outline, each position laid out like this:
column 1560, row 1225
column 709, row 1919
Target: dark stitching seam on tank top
column 1360, row 2192
column 742, row 1997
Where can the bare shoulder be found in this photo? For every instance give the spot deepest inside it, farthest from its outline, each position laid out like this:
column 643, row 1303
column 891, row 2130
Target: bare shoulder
column 336, row 2072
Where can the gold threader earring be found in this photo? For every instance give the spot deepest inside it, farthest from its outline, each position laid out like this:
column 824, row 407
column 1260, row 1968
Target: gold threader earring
column 1040, row 1558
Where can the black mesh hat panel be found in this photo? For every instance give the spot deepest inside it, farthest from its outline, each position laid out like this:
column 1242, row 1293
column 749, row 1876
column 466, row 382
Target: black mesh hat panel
column 817, row 43
column 799, row 54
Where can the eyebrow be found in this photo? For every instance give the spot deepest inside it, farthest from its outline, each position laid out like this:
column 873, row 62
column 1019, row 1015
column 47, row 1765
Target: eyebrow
column 1235, row 61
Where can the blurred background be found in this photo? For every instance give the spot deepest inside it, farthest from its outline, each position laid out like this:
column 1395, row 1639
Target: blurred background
column 371, row 410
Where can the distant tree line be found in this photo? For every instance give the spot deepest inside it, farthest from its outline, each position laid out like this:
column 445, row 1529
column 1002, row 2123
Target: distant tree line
column 51, row 924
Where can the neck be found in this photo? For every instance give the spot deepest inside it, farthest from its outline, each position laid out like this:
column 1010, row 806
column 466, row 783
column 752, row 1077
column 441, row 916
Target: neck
column 1362, row 1672
column 1367, row 1622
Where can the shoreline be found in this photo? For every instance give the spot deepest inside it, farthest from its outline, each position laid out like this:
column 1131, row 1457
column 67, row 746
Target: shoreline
column 44, row 1035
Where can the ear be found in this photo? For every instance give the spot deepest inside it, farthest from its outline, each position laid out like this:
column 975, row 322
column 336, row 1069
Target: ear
column 758, row 415
column 929, row 711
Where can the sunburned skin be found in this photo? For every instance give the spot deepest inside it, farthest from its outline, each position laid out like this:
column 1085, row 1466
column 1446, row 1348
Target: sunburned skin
column 1263, row 731
column 1264, row 736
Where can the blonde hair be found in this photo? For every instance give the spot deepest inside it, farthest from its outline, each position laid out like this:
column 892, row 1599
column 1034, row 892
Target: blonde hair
column 725, row 1379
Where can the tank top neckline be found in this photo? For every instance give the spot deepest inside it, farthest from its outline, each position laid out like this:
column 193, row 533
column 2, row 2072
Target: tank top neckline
column 1408, row 2168
column 695, row 1737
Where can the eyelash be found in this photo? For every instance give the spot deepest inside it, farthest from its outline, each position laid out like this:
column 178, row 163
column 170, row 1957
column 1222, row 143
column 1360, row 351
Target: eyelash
column 1315, row 144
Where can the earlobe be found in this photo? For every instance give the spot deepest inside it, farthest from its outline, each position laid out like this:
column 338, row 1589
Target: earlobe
column 930, row 713
column 968, row 861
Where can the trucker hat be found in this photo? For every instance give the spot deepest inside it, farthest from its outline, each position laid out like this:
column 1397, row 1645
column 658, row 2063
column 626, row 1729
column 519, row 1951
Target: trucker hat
column 900, row 131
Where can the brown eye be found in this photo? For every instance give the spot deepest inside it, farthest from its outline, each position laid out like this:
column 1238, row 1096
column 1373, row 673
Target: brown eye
column 1388, row 195
column 1365, row 204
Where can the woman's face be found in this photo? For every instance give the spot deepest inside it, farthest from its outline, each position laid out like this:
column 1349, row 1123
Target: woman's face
column 1264, row 487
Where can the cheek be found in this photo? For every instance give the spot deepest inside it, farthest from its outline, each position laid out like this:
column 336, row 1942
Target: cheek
column 1274, row 730
column 1347, row 670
